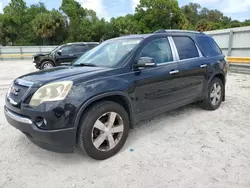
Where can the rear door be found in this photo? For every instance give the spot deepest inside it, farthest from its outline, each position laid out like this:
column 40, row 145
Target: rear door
column 80, row 49
column 193, row 67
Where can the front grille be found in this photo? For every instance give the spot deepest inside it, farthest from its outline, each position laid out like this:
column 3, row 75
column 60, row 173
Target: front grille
column 18, row 92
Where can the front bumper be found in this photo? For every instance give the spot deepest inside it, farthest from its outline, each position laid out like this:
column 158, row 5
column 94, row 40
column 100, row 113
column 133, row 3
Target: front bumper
column 61, row 140
column 37, row 62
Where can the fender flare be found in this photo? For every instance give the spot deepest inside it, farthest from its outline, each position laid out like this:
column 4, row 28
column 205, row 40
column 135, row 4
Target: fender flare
column 212, row 77
column 47, row 60
column 101, row 96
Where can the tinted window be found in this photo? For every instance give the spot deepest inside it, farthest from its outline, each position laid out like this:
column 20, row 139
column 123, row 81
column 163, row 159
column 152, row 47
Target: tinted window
column 109, row 53
column 208, row 46
column 185, row 47
column 159, row 50
column 92, row 45
column 81, row 48
column 67, row 49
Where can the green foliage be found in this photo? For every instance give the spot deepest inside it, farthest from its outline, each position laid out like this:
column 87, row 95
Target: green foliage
column 246, row 23
column 203, row 25
column 204, row 18
column 191, row 12
column 235, row 23
column 47, row 24
column 158, row 14
column 36, row 25
column 125, row 25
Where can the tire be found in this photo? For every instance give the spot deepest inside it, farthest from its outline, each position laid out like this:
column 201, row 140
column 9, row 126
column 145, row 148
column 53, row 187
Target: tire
column 213, row 97
column 88, row 133
column 47, row 65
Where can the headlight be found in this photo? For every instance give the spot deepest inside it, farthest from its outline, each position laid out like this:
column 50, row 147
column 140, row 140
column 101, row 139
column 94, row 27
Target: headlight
column 51, row 92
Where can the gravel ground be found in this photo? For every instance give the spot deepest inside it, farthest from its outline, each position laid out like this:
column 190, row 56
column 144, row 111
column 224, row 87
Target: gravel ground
column 188, row 148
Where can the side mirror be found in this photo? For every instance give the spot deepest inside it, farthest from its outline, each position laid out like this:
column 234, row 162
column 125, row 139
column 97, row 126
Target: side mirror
column 146, row 62
column 59, row 52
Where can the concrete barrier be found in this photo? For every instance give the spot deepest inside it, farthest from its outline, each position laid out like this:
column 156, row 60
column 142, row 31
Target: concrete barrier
column 239, row 68
column 234, row 42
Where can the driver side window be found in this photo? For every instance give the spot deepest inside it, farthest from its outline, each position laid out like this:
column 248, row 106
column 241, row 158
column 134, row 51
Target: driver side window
column 67, row 49
column 159, row 50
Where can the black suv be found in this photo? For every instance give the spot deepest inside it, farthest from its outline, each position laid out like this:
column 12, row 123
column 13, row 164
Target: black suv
column 93, row 103
column 62, row 54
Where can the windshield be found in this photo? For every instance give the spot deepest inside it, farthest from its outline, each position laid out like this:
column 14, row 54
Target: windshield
column 109, row 53
column 55, row 49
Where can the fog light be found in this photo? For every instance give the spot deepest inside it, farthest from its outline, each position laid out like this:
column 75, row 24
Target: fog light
column 40, row 122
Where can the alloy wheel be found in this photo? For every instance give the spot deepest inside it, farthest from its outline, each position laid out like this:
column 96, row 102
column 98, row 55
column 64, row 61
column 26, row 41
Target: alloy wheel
column 47, row 66
column 215, row 95
column 107, row 131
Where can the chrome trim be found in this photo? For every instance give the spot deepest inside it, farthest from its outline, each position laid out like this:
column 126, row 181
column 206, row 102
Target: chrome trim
column 174, row 49
column 190, row 59
column 12, row 101
column 23, row 82
column 174, row 72
column 203, row 65
column 170, row 62
column 17, row 117
column 199, row 51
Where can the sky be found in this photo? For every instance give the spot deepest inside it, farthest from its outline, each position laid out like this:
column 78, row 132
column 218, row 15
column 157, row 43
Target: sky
column 236, row 9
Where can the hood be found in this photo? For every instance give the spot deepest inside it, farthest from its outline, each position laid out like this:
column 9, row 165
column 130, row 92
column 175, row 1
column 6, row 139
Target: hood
column 41, row 54
column 57, row 73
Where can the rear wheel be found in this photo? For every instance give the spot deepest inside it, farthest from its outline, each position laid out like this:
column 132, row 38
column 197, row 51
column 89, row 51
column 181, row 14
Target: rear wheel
column 103, row 130
column 47, row 65
column 214, row 95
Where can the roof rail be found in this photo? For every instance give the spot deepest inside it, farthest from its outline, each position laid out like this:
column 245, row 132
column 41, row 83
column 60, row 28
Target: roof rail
column 82, row 43
column 175, row 30
column 160, row 31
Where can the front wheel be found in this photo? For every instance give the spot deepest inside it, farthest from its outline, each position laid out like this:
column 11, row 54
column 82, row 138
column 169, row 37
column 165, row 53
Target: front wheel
column 103, row 130
column 47, row 65
column 214, row 95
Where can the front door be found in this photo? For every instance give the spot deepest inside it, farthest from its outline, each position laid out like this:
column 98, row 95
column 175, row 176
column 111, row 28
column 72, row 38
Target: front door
column 67, row 55
column 157, row 89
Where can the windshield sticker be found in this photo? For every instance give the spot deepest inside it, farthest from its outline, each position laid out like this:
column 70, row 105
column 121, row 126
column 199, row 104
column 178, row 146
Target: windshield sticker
column 131, row 42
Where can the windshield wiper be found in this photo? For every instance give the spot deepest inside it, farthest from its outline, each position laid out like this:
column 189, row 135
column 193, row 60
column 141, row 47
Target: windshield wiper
column 86, row 64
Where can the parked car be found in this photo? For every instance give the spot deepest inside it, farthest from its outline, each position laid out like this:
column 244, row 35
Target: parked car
column 62, row 54
column 93, row 103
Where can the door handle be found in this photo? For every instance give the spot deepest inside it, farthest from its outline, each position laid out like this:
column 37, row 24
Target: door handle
column 174, row 72
column 203, row 65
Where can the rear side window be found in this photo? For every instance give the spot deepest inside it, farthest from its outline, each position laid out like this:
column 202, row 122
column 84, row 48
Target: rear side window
column 92, row 46
column 81, row 48
column 208, row 46
column 186, row 47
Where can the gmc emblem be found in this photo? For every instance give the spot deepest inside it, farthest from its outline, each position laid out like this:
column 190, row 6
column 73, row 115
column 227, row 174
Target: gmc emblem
column 14, row 91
